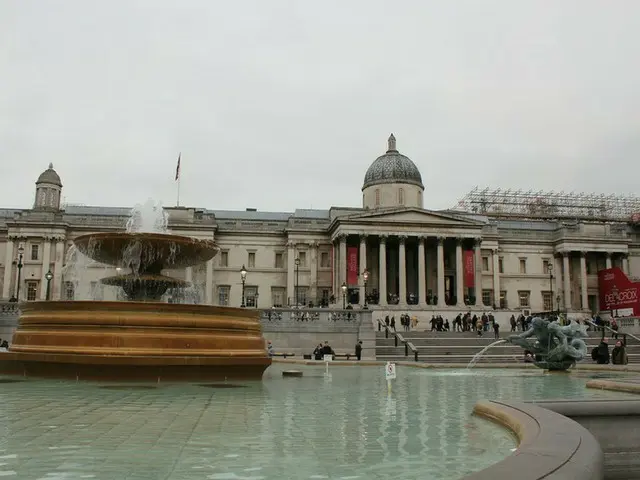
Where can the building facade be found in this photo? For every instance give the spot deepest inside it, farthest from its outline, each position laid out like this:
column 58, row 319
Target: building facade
column 507, row 252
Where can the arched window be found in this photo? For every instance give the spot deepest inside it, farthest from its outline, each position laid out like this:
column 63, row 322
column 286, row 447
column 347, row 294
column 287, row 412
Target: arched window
column 377, row 197
column 401, row 196
column 419, row 199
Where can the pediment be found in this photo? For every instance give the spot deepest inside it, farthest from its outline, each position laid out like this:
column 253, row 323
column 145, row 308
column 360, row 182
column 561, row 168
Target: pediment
column 411, row 216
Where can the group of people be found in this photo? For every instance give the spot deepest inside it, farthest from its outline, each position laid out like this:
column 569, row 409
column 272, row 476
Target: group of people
column 618, row 355
column 407, row 322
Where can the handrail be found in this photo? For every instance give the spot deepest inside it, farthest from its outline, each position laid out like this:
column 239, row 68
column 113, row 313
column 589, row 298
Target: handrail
column 617, row 332
column 397, row 336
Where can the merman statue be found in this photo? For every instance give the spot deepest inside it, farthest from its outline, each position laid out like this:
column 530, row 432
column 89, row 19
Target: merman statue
column 554, row 347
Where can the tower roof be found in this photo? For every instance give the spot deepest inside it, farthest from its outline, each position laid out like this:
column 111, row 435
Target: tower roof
column 392, row 167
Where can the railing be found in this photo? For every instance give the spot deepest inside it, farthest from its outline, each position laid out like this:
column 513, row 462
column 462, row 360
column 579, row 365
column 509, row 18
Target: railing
column 9, row 308
column 617, row 332
column 313, row 319
column 398, row 338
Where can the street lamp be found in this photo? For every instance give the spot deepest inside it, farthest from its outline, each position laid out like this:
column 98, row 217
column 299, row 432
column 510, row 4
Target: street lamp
column 243, row 277
column 558, row 303
column 48, row 276
column 344, row 295
column 20, row 255
column 256, row 300
column 550, row 271
column 365, row 277
column 297, row 262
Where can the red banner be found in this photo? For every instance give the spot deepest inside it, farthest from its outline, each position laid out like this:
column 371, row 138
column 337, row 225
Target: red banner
column 619, row 293
column 469, row 269
column 352, row 265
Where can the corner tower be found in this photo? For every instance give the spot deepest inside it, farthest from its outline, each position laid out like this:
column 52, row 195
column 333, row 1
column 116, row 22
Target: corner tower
column 392, row 180
column 48, row 190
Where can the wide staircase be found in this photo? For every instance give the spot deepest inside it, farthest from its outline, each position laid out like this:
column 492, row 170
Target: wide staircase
column 461, row 347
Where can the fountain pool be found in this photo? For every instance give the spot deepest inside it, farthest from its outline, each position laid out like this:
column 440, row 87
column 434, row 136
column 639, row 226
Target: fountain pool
column 342, row 426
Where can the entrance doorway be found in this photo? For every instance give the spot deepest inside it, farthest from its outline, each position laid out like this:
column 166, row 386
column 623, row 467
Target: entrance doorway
column 449, row 288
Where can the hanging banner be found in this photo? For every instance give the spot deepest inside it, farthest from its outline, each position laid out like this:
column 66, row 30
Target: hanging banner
column 333, row 269
column 352, row 265
column 618, row 293
column 469, row 269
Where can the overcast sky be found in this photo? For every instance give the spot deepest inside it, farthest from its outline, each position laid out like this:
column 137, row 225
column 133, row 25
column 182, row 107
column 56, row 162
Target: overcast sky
column 284, row 104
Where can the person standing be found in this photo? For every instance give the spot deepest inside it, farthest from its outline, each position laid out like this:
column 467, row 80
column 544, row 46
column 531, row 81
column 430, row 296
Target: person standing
column 359, row 350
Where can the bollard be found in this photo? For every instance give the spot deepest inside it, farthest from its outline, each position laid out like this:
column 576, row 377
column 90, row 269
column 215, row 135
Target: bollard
column 406, row 349
column 395, row 337
column 416, row 355
column 386, row 333
column 379, row 327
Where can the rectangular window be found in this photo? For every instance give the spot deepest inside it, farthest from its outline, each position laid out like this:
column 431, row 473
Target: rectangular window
column 485, row 264
column 487, row 297
column 524, row 296
column 34, row 252
column 277, row 296
column 223, row 295
column 69, row 291
column 547, row 301
column 324, row 260
column 224, row 259
column 279, row 261
column 545, row 266
column 251, row 261
column 251, row 296
column 303, row 258
column 32, row 291
column 303, row 295
column 325, row 297
column 503, row 299
column 523, row 265
column 500, row 265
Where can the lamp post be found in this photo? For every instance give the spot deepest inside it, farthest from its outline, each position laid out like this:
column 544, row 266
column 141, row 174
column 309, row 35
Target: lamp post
column 297, row 262
column 344, row 295
column 550, row 271
column 256, row 300
column 365, row 277
column 48, row 277
column 243, row 278
column 20, row 255
column 558, row 303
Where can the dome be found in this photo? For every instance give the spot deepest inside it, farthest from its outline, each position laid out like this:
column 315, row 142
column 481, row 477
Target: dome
column 49, row 176
column 392, row 167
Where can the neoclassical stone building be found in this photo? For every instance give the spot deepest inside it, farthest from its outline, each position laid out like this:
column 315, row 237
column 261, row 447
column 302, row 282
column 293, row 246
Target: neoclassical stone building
column 509, row 251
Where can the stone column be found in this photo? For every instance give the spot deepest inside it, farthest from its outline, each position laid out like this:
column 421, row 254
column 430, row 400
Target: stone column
column 291, row 273
column 566, row 280
column 8, row 269
column 382, row 286
column 56, row 288
column 459, row 274
column 402, row 270
column 362, row 266
column 440, row 260
column 608, row 260
column 422, row 273
column 496, row 277
column 477, row 267
column 625, row 264
column 46, row 265
column 583, row 281
column 208, row 294
column 313, row 275
column 343, row 263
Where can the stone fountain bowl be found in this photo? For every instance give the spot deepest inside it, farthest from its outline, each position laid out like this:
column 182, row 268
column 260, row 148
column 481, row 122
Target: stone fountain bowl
column 154, row 251
column 140, row 341
column 145, row 287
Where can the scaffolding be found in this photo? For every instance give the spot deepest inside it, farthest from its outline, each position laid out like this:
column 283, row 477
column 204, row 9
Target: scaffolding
column 540, row 204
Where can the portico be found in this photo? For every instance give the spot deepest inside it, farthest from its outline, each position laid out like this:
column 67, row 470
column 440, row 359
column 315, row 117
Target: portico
column 413, row 257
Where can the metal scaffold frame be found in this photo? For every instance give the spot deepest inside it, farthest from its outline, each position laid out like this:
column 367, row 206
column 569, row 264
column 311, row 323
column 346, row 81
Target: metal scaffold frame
column 540, row 204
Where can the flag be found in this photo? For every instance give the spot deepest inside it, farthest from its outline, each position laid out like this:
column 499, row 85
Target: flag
column 178, row 167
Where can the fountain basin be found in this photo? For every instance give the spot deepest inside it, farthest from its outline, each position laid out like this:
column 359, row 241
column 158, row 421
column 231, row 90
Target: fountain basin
column 136, row 340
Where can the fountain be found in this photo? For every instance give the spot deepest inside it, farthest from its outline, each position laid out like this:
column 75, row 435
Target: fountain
column 142, row 338
column 554, row 347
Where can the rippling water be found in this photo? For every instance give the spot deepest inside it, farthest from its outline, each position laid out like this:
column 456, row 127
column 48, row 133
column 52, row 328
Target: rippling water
column 344, row 426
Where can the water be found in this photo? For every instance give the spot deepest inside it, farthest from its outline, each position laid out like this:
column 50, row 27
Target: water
column 341, row 426
column 478, row 355
column 148, row 217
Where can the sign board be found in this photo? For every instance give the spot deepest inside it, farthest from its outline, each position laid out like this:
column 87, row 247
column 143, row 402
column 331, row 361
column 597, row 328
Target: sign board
column 327, row 358
column 390, row 371
column 618, row 292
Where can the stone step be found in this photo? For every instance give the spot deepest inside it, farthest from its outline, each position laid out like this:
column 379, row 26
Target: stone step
column 503, row 346
column 488, row 358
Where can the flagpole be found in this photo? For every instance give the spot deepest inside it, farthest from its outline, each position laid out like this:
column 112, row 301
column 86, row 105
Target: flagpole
column 178, row 179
